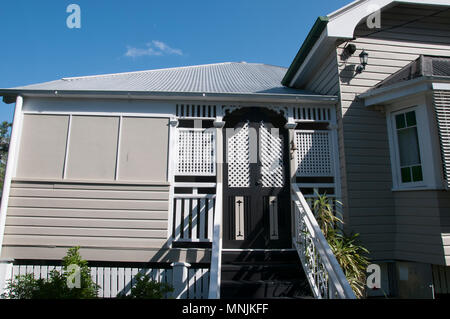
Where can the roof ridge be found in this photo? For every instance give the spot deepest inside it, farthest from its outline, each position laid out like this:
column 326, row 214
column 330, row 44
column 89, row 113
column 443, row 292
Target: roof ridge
column 154, row 70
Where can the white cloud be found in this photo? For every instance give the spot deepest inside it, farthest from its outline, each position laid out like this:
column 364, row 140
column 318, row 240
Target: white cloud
column 154, row 48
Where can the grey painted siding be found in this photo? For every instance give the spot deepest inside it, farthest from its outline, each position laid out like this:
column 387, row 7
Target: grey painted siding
column 144, row 149
column 43, row 146
column 418, row 230
column 325, row 80
column 92, row 148
column 444, row 206
column 385, row 221
column 110, row 222
column 97, row 148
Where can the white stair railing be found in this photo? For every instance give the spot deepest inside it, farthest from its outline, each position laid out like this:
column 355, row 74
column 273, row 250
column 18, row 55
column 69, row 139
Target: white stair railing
column 325, row 275
column 216, row 254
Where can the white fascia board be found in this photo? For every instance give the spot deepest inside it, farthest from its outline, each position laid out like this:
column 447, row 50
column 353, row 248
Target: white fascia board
column 342, row 23
column 169, row 96
column 318, row 53
column 396, row 91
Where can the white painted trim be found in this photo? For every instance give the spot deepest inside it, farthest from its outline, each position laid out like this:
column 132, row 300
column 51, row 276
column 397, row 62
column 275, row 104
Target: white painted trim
column 344, row 21
column 171, row 158
column 336, row 160
column 312, row 131
column 173, row 97
column 216, row 251
column 428, row 150
column 396, row 92
column 100, row 182
column 6, row 271
column 441, row 86
column 196, row 185
column 105, row 114
column 194, row 196
column 419, row 188
column 66, row 155
column 319, row 51
column 119, row 139
column 11, row 164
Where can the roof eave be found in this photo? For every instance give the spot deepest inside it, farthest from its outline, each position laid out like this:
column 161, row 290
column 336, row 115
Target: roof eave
column 190, row 96
column 340, row 25
column 400, row 90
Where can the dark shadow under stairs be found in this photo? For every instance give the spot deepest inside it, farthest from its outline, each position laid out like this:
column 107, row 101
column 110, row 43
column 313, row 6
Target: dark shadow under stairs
column 263, row 274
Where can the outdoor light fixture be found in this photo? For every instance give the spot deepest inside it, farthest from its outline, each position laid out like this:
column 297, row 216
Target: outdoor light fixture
column 364, row 59
column 349, row 50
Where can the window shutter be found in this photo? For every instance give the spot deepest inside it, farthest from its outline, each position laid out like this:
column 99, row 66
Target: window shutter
column 442, row 108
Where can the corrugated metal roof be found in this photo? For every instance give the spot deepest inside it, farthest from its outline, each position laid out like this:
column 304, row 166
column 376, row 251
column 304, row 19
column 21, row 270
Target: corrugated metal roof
column 429, row 66
column 230, row 77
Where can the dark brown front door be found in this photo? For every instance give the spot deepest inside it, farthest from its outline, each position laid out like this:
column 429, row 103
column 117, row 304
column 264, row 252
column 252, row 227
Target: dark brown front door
column 256, row 180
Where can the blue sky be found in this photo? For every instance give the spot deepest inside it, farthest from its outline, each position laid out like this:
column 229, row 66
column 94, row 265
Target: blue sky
column 121, row 36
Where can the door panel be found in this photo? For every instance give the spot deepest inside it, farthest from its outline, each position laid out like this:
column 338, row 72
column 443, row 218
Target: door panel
column 256, row 192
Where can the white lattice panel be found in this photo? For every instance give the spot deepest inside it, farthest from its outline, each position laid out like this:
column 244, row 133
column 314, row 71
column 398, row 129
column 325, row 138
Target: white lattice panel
column 271, row 156
column 196, row 152
column 239, row 158
column 313, row 156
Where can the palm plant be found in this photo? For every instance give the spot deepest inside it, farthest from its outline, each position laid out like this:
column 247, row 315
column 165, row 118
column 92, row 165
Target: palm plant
column 348, row 250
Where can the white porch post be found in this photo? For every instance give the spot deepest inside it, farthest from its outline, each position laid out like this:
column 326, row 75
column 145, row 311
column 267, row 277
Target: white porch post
column 216, row 254
column 6, row 267
column 336, row 160
column 180, row 279
column 11, row 165
column 290, row 126
column 172, row 159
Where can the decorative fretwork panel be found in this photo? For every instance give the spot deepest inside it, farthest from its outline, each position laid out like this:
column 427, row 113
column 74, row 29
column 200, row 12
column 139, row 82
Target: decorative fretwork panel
column 271, row 156
column 196, row 152
column 312, row 114
column 313, row 156
column 239, row 158
column 196, row 111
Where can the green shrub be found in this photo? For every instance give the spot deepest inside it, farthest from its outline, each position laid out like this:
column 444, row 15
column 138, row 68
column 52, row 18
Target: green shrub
column 349, row 252
column 145, row 288
column 56, row 287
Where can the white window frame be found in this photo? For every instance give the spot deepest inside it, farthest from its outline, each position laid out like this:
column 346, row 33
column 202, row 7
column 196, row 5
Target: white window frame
column 429, row 150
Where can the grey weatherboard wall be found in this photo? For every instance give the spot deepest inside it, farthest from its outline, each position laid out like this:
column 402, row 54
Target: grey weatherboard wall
column 113, row 218
column 388, row 226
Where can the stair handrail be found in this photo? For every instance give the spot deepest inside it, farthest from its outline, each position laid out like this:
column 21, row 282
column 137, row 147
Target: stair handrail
column 216, row 251
column 324, row 274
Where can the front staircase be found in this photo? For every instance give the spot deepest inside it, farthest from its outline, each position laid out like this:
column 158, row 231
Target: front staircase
column 263, row 274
